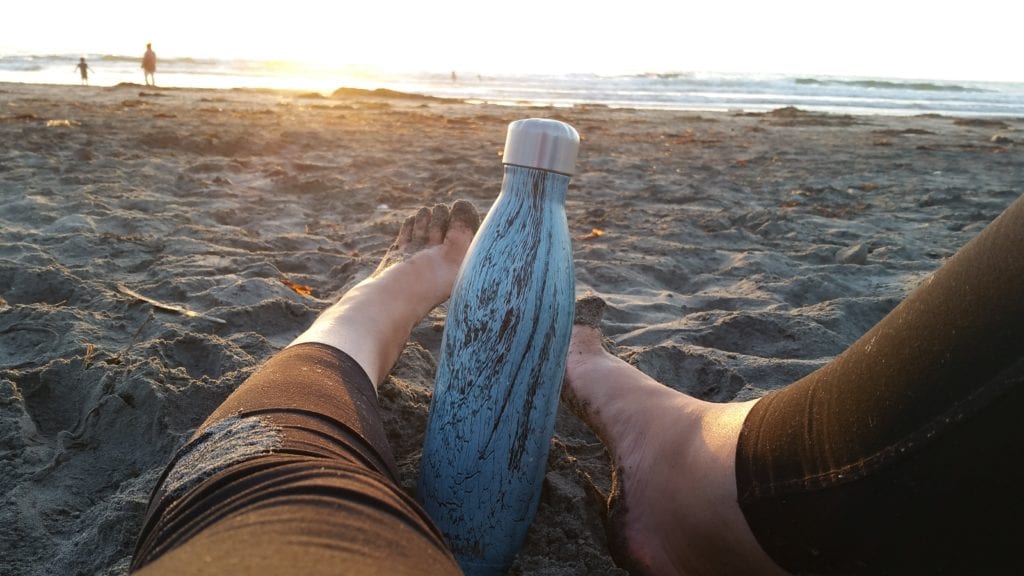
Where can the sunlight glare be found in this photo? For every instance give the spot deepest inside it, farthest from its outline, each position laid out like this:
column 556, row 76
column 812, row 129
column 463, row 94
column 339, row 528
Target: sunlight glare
column 911, row 39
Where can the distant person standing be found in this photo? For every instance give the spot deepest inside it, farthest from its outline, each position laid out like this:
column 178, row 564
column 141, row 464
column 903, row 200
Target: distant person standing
column 84, row 69
column 149, row 65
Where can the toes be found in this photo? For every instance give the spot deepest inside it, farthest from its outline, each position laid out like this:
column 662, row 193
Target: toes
column 464, row 216
column 421, row 226
column 590, row 311
column 587, row 337
column 405, row 234
column 438, row 224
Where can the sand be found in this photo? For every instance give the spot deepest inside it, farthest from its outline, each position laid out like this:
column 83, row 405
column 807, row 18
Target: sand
column 739, row 252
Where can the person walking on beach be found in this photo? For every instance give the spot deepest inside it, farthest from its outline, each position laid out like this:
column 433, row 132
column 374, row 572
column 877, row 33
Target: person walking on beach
column 902, row 455
column 149, row 65
column 84, row 69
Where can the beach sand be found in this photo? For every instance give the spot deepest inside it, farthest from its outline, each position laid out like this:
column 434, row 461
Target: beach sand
column 739, row 252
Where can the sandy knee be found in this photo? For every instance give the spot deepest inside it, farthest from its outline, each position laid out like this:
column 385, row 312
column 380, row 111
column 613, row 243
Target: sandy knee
column 223, row 444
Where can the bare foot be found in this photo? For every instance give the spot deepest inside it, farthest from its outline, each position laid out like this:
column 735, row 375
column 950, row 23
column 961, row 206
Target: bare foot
column 673, row 508
column 373, row 320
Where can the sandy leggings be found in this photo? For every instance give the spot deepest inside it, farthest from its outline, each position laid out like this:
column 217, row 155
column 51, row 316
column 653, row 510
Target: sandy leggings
column 901, row 456
column 291, row 475
column 905, row 454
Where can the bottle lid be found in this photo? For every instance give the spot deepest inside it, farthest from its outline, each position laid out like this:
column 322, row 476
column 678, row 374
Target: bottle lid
column 542, row 143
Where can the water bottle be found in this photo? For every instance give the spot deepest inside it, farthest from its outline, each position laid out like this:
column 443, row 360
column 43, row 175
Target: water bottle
column 503, row 357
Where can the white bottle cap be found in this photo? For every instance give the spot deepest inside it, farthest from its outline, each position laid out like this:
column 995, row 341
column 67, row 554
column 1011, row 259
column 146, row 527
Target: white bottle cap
column 541, row 143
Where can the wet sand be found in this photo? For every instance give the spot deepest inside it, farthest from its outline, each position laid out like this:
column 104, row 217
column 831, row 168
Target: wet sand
column 737, row 252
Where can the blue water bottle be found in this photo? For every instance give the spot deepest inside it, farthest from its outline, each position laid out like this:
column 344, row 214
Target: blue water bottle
column 503, row 357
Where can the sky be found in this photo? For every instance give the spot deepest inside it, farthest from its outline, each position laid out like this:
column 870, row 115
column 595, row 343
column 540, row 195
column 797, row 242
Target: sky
column 937, row 39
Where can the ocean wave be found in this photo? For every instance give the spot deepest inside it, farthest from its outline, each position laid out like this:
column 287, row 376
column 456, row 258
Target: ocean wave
column 19, row 65
column 889, row 85
column 666, row 75
column 120, row 58
column 115, row 58
column 30, row 62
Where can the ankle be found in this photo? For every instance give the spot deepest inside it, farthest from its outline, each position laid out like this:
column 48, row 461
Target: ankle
column 422, row 282
column 729, row 545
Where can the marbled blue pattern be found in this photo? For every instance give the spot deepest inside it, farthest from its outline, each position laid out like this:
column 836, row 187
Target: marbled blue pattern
column 500, row 374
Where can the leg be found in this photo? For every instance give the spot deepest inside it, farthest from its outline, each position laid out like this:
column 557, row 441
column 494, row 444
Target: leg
column 899, row 456
column 673, row 508
column 292, row 473
column 429, row 272
column 912, row 432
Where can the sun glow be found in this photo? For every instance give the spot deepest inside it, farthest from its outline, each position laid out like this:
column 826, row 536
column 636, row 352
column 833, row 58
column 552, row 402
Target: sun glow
column 911, row 39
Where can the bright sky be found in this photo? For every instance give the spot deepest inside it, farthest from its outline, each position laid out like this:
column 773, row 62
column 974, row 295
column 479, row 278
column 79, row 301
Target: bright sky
column 936, row 39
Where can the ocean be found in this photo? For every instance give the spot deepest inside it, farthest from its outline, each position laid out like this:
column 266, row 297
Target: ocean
column 672, row 91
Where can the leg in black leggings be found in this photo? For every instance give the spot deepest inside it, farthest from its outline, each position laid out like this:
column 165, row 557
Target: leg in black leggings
column 904, row 455
column 901, row 456
column 291, row 475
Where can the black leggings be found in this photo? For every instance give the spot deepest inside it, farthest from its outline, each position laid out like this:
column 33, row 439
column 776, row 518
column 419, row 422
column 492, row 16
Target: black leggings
column 904, row 455
column 901, row 456
column 291, row 475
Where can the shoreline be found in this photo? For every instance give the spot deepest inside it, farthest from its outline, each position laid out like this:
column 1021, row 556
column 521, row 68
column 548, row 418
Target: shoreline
column 902, row 98
column 737, row 253
column 347, row 92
